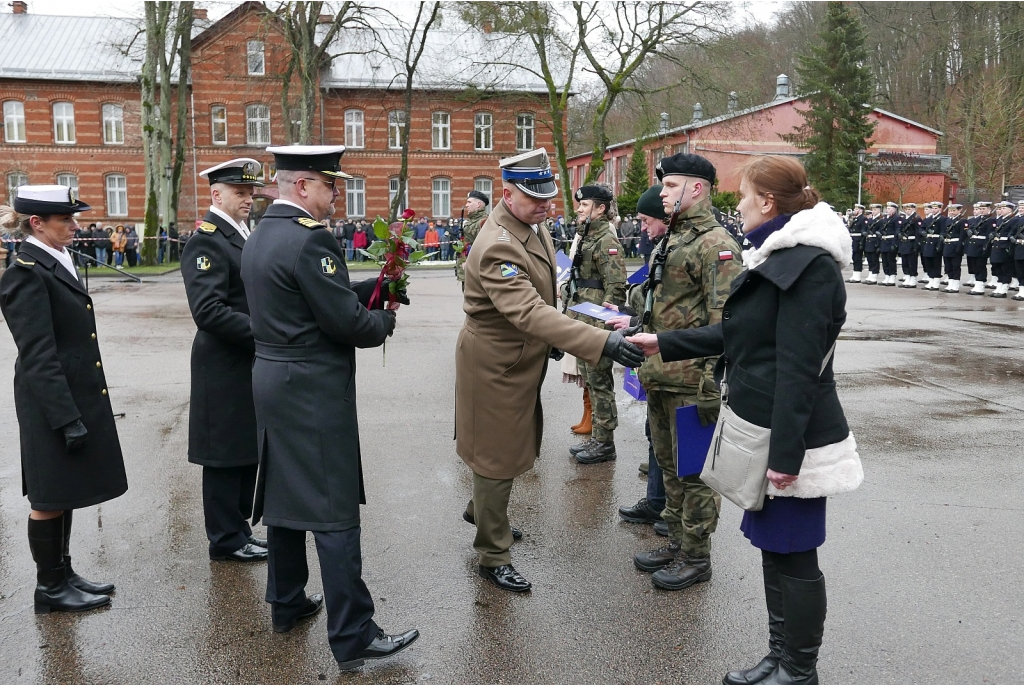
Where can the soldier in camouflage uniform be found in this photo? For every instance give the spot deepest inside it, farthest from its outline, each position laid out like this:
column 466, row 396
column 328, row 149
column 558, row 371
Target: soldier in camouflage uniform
column 601, row 277
column 476, row 215
column 701, row 260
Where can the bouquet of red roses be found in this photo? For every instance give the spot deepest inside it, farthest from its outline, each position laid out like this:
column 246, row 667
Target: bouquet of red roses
column 394, row 251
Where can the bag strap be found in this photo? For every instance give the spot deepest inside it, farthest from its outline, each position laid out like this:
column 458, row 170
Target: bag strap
column 828, row 356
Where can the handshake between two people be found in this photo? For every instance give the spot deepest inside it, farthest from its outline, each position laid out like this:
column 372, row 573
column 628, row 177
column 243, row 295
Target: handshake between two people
column 629, row 327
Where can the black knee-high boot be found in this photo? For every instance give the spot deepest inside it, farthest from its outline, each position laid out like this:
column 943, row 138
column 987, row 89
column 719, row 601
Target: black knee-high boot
column 53, row 591
column 805, row 607
column 73, row 578
column 776, row 636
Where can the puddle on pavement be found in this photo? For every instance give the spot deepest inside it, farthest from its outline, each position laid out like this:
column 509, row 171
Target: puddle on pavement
column 974, row 365
column 890, row 335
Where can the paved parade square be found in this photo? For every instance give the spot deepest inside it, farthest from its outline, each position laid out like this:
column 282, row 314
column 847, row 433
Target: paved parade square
column 922, row 561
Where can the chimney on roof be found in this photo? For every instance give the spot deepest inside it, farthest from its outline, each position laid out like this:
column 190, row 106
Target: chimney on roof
column 325, row 19
column 663, row 127
column 698, row 112
column 781, row 87
column 200, row 14
column 734, row 102
column 488, row 27
column 19, row 7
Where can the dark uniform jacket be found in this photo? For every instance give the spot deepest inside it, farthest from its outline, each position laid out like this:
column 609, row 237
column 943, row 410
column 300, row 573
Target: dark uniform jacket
column 931, row 236
column 954, row 236
column 858, row 232
column 58, row 378
column 1018, row 236
column 307, row 320
column 890, row 228
column 777, row 326
column 1001, row 241
column 221, row 420
column 873, row 233
column 908, row 233
column 979, row 231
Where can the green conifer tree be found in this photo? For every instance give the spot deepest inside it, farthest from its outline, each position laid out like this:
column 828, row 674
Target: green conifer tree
column 636, row 182
column 838, row 85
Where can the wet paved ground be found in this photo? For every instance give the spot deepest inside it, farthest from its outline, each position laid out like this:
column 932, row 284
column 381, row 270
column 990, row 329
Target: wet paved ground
column 923, row 562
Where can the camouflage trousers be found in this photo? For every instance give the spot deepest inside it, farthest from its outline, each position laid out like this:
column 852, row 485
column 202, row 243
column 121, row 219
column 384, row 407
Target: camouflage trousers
column 599, row 380
column 460, row 268
column 691, row 508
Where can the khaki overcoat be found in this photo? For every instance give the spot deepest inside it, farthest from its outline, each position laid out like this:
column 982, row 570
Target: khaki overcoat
column 502, row 352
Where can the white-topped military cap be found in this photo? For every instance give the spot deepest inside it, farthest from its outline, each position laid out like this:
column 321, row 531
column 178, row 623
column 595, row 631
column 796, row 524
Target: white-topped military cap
column 48, row 199
column 531, row 173
column 242, row 171
column 321, row 159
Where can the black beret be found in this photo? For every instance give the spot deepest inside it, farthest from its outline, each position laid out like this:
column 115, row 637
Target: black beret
column 650, row 204
column 686, row 165
column 598, row 193
column 479, row 196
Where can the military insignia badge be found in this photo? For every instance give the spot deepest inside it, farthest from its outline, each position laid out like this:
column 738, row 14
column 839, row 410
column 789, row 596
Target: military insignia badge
column 328, row 266
column 725, row 255
column 504, row 236
column 207, row 227
column 308, row 223
column 613, row 250
column 508, row 270
column 203, row 263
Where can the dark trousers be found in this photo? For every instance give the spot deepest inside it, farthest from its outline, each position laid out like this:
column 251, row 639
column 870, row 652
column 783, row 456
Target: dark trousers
column 655, row 478
column 1018, row 270
column 227, row 503
column 132, row 256
column 858, row 261
column 350, row 625
column 909, row 264
column 953, row 265
column 889, row 263
column 978, row 267
column 932, row 266
column 1003, row 271
column 872, row 258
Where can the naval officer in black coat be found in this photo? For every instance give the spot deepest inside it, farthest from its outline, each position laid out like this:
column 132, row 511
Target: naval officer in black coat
column 222, row 419
column 70, row 454
column 308, row 320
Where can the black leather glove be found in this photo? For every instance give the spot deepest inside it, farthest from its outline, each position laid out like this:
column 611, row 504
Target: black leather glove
column 392, row 320
column 556, row 354
column 622, row 352
column 75, row 435
column 403, row 297
column 634, row 327
column 707, row 411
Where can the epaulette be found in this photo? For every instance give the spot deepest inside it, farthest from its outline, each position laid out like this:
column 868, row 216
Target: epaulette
column 24, row 263
column 307, row 222
column 207, row 227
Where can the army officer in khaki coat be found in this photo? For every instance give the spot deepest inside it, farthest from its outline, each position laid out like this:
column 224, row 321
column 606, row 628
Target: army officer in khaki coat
column 502, row 353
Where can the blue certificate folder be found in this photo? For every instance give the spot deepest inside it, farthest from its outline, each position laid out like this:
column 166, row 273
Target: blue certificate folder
column 694, row 441
column 595, row 310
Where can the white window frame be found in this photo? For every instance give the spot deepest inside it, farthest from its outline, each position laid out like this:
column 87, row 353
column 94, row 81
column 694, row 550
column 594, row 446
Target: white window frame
column 441, row 197
column 64, row 123
column 257, row 124
column 485, row 185
column 113, row 123
column 68, row 179
column 14, row 122
column 15, row 180
column 355, row 197
column 255, row 58
column 216, row 121
column 396, row 128
column 393, row 190
column 441, row 131
column 483, row 131
column 116, row 187
column 526, row 124
column 354, row 130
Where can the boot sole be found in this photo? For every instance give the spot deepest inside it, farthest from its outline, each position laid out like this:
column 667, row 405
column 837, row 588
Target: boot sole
column 650, row 569
column 638, row 519
column 594, row 461
column 46, row 608
column 702, row 578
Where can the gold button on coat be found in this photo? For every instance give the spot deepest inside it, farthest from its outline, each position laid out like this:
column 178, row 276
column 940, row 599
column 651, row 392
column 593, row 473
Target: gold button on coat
column 104, row 392
column 98, row 365
column 93, row 336
column 88, row 306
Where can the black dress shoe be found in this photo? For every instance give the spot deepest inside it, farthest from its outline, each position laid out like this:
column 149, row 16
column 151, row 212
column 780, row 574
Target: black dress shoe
column 382, row 647
column 682, row 573
column 657, row 558
column 579, row 447
column 596, row 453
column 505, row 577
column 641, row 512
column 661, row 528
column 259, row 542
column 516, row 533
column 248, row 552
column 312, row 606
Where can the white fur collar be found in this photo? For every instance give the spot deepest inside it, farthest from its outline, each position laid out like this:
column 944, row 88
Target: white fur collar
column 817, row 227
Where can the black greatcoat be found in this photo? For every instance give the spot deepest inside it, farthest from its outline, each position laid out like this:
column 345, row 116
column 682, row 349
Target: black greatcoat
column 307, row 321
column 58, row 377
column 777, row 326
column 221, row 419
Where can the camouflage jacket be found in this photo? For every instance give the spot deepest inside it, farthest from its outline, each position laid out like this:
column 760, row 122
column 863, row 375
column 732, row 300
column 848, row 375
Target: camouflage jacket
column 471, row 228
column 602, row 261
column 702, row 260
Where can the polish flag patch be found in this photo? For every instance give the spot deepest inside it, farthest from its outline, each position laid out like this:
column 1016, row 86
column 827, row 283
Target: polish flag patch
column 613, row 250
column 725, row 255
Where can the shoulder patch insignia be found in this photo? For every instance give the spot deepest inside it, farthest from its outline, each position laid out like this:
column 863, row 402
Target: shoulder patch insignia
column 24, row 262
column 307, row 222
column 613, row 250
column 504, row 236
column 207, row 227
column 508, row 270
column 328, row 266
column 203, row 263
column 724, row 255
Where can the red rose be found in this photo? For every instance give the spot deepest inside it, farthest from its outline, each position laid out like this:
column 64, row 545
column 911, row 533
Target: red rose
column 408, row 214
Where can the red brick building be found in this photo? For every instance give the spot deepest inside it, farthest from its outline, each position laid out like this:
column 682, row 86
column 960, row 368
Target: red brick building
column 71, row 105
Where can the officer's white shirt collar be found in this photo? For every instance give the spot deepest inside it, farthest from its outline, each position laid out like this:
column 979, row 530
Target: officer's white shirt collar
column 62, row 256
column 242, row 229
column 288, row 202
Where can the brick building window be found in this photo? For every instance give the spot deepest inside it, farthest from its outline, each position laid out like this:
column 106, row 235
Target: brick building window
column 219, row 125
column 117, row 195
column 485, row 186
column 393, row 190
column 355, row 197
column 441, row 131
column 14, row 122
column 257, row 124
column 354, row 128
column 64, row 123
column 396, row 128
column 15, row 180
column 69, row 180
column 483, row 138
column 524, row 132
column 255, row 58
column 113, row 124
column 442, row 196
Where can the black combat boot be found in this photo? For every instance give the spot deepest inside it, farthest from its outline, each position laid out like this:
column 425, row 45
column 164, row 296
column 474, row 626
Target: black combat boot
column 804, row 606
column 656, row 558
column 596, row 453
column 53, row 591
column 776, row 635
column 73, row 578
column 580, row 446
column 683, row 572
column 641, row 512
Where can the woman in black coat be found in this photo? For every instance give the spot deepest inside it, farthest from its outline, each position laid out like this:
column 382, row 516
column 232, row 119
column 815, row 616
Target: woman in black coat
column 70, row 454
column 779, row 327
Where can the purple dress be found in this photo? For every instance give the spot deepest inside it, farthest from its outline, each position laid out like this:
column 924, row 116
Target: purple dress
column 786, row 524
